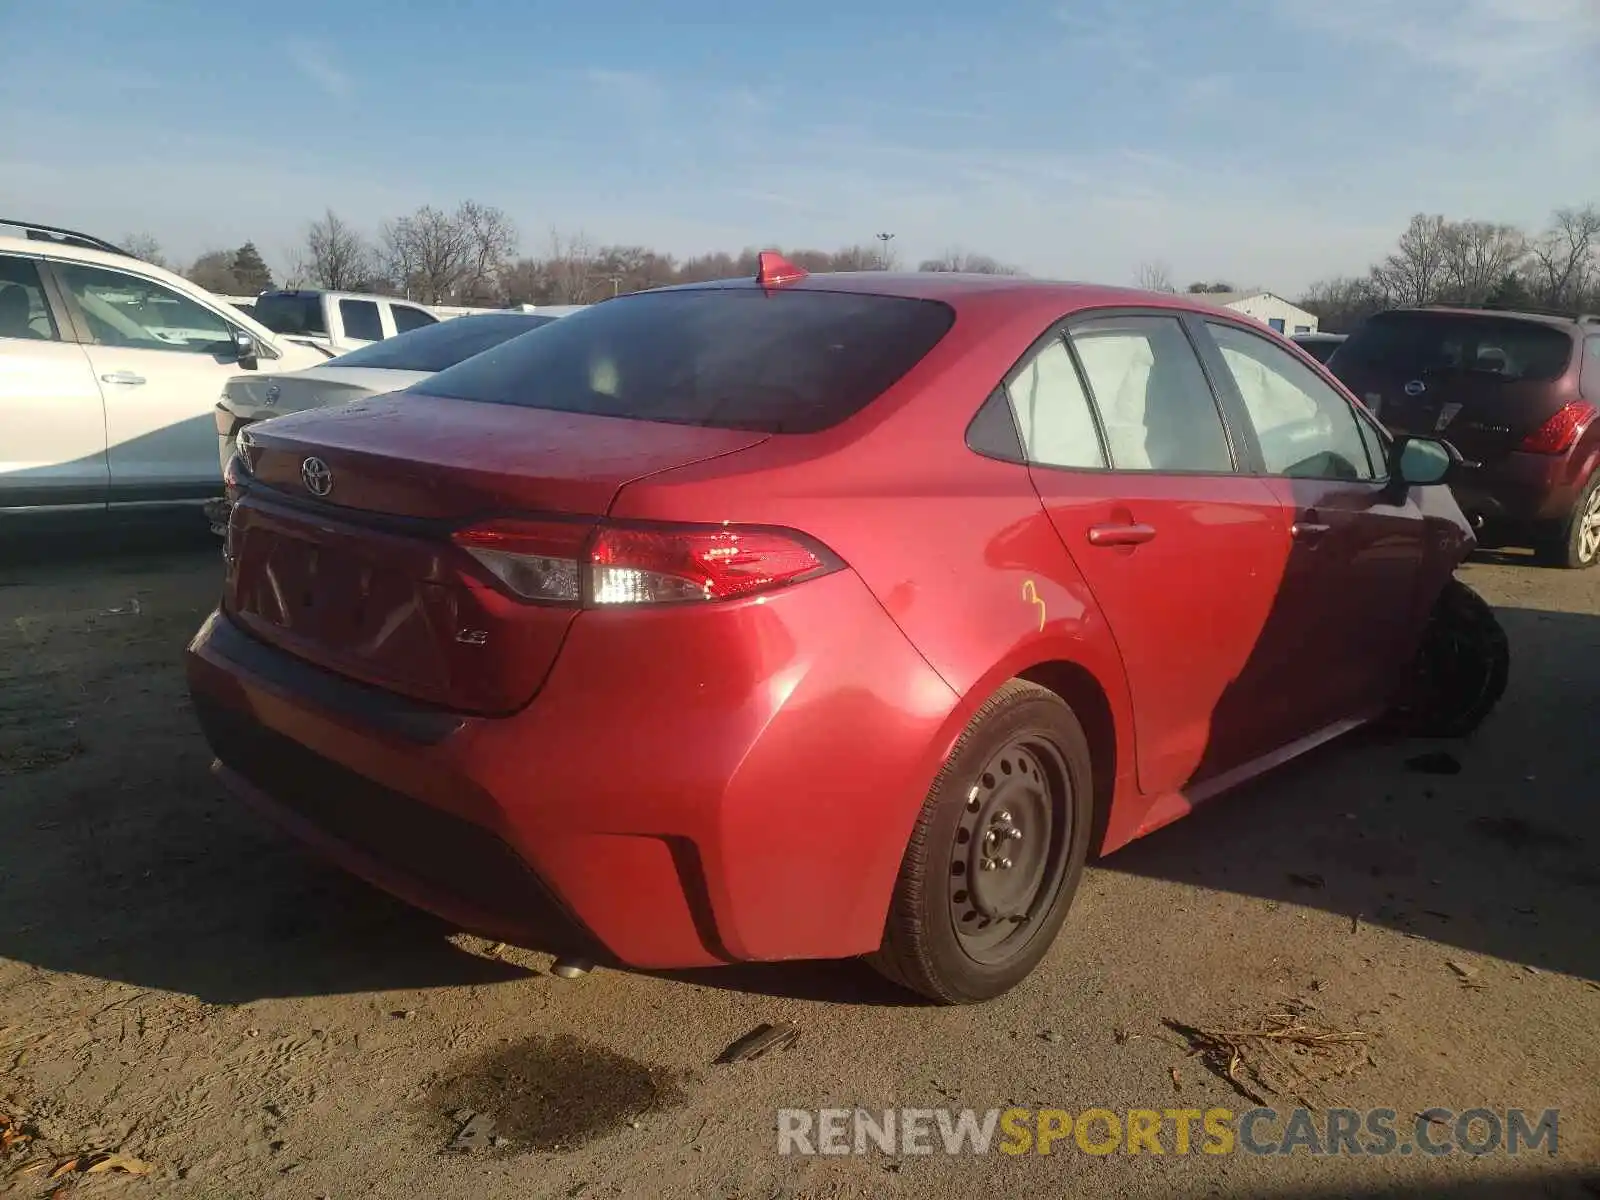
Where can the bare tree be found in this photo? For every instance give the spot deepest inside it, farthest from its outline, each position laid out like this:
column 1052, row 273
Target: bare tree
column 336, row 256
column 1201, row 288
column 1478, row 255
column 1154, row 277
column 428, row 255
column 962, row 262
column 145, row 248
column 570, row 268
column 1564, row 262
column 633, row 268
column 861, row 258
column 1416, row 272
column 213, row 271
column 1342, row 304
column 492, row 239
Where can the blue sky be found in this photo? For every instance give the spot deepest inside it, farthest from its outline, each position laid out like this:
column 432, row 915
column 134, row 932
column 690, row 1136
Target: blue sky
column 1271, row 142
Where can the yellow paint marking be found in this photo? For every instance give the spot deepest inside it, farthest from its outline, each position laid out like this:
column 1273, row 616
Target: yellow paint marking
column 1030, row 595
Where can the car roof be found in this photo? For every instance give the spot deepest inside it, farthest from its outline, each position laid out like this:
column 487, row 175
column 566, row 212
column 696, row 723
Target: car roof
column 1557, row 320
column 67, row 252
column 1016, row 294
column 42, row 248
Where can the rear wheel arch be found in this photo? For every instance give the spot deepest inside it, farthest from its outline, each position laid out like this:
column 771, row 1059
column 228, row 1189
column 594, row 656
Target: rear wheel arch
column 1086, row 697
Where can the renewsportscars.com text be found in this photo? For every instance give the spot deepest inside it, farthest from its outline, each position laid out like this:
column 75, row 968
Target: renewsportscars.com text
column 1101, row 1131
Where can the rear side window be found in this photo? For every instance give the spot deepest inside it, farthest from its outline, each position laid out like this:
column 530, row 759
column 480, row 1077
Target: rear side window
column 360, row 320
column 1052, row 411
column 1155, row 405
column 24, row 315
column 443, row 344
column 407, row 318
column 1589, row 384
column 728, row 358
column 287, row 313
column 1416, row 343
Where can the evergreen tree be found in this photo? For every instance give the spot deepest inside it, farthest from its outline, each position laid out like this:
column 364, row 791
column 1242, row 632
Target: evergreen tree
column 250, row 270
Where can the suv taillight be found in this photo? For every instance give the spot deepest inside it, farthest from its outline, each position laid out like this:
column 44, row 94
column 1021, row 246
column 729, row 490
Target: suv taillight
column 605, row 565
column 1557, row 434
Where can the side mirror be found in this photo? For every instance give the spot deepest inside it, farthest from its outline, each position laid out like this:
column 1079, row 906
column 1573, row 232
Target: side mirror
column 246, row 350
column 1424, row 461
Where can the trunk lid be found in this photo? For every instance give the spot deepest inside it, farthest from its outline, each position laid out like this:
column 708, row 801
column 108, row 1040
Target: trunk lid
column 258, row 397
column 364, row 580
column 1483, row 382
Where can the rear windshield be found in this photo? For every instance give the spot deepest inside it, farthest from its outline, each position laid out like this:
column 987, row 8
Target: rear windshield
column 1416, row 343
column 435, row 347
column 289, row 313
column 728, row 358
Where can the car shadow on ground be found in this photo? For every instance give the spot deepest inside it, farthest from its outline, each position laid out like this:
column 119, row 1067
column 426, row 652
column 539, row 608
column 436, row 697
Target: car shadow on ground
column 1486, row 844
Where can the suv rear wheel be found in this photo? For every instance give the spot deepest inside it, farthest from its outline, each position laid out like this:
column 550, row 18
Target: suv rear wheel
column 1578, row 543
column 996, row 854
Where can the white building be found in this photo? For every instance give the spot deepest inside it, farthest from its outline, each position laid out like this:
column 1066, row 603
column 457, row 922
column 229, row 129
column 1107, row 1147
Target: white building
column 1269, row 309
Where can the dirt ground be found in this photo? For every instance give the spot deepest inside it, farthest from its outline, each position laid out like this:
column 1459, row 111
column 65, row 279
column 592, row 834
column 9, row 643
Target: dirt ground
column 181, row 985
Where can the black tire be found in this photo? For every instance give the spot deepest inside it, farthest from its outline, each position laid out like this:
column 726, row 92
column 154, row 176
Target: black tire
column 954, row 944
column 1570, row 547
column 1461, row 669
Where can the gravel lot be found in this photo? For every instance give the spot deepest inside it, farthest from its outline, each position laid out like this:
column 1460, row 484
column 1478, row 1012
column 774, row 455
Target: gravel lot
column 180, row 984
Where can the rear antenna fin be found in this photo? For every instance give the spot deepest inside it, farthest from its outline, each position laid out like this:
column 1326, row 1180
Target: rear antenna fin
column 773, row 269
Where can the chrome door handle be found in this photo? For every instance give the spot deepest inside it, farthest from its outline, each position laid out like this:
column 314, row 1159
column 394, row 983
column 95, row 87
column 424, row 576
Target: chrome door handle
column 127, row 378
column 1132, row 534
column 1309, row 531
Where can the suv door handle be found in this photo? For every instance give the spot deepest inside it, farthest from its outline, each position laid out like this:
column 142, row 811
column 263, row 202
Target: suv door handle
column 1308, row 531
column 123, row 377
column 1130, row 534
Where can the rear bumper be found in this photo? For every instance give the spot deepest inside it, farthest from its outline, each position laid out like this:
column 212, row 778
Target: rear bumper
column 1521, row 489
column 659, row 812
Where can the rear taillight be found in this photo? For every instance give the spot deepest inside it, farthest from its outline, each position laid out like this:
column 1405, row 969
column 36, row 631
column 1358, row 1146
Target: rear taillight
column 536, row 560
column 1557, row 435
column 574, row 564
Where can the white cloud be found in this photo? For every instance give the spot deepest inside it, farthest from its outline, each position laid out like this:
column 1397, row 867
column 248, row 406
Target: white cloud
column 1519, row 48
column 314, row 63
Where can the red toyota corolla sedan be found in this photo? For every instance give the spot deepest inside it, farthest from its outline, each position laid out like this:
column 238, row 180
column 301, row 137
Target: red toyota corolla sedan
column 804, row 617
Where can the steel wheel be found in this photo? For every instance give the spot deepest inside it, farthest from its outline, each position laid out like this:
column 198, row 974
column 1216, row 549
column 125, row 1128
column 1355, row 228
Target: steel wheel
column 1008, row 854
column 996, row 853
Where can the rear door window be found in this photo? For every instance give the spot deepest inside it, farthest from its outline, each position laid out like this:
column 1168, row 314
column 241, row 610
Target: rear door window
column 1413, row 344
column 1052, row 410
column 1589, row 382
column 407, row 318
column 361, row 320
column 787, row 361
column 1155, row 405
column 290, row 313
column 24, row 315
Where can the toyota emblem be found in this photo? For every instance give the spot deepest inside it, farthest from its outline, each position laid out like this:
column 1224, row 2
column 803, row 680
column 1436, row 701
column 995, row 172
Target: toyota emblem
column 1416, row 387
column 315, row 475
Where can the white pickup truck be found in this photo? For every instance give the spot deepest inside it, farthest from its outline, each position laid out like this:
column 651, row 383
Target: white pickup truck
column 338, row 321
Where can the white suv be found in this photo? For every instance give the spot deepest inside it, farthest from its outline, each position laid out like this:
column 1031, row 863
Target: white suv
column 110, row 373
